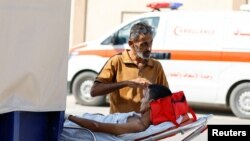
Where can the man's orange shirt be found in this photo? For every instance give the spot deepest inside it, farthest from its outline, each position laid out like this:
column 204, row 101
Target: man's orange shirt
column 119, row 68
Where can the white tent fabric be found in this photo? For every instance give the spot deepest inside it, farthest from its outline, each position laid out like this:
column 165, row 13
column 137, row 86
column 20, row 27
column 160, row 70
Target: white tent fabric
column 34, row 41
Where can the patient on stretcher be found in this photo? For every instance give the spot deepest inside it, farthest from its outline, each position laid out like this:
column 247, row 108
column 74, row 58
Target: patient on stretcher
column 117, row 126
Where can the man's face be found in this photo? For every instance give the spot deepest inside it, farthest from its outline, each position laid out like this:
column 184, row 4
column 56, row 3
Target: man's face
column 143, row 46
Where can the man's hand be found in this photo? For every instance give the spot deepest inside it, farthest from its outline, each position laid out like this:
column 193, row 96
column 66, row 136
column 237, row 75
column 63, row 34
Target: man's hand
column 139, row 82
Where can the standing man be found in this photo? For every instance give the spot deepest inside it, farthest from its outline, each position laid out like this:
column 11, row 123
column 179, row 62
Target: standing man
column 126, row 74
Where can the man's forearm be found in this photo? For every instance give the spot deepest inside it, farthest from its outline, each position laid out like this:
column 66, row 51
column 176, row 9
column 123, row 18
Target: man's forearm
column 105, row 88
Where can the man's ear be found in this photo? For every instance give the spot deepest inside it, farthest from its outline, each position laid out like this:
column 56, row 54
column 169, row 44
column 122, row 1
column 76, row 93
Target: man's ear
column 148, row 105
column 130, row 43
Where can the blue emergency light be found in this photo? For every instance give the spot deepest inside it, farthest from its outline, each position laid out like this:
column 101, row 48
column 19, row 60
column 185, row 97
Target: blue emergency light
column 175, row 5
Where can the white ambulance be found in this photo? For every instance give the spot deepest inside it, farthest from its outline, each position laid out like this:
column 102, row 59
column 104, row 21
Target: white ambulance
column 205, row 54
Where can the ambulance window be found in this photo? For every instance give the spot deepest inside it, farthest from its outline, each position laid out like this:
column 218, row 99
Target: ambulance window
column 122, row 35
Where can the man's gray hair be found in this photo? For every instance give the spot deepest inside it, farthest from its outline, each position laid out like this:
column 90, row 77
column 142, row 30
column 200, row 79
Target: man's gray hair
column 140, row 28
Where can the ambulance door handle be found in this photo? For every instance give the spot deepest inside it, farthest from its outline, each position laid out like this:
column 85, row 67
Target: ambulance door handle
column 161, row 55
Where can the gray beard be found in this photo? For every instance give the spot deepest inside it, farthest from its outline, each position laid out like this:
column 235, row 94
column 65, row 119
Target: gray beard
column 139, row 54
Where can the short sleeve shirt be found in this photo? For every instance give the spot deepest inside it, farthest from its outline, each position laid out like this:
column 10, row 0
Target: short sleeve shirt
column 120, row 68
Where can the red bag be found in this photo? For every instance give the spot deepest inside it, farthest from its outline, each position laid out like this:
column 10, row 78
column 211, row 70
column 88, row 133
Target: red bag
column 170, row 108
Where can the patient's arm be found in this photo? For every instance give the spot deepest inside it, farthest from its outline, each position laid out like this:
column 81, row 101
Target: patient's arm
column 135, row 125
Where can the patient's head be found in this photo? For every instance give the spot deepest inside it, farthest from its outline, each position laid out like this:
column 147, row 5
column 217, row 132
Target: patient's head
column 153, row 92
column 156, row 91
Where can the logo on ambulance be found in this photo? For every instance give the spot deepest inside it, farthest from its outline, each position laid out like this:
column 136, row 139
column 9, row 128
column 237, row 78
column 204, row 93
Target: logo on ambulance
column 180, row 31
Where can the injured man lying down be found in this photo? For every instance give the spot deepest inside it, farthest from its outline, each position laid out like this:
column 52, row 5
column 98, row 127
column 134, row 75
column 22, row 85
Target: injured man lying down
column 119, row 126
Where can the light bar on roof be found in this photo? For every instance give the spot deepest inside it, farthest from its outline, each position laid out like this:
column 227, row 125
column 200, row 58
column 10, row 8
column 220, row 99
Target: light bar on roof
column 158, row 5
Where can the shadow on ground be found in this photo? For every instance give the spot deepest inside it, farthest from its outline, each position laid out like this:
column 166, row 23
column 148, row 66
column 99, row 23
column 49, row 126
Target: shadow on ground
column 215, row 110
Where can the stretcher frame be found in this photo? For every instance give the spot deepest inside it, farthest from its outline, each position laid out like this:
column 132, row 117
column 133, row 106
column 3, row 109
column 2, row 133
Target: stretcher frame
column 198, row 126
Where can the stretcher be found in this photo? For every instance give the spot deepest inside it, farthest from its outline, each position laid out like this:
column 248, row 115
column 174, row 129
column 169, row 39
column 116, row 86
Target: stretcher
column 161, row 131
